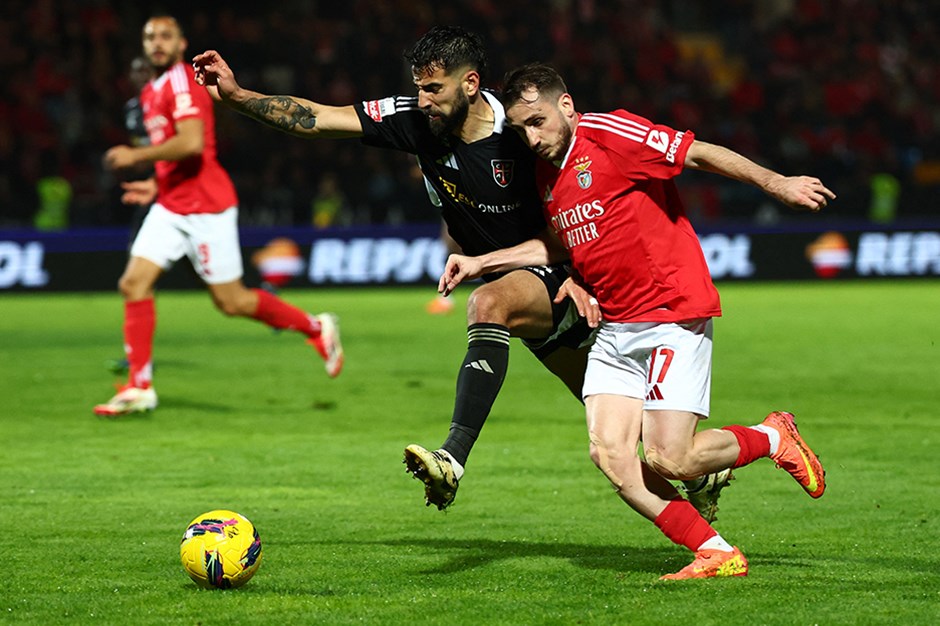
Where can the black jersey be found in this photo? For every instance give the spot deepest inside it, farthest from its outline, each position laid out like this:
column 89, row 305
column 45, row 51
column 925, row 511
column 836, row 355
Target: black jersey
column 485, row 189
column 134, row 123
column 137, row 136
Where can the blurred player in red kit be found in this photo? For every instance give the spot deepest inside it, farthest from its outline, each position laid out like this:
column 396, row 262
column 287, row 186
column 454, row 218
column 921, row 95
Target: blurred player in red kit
column 195, row 214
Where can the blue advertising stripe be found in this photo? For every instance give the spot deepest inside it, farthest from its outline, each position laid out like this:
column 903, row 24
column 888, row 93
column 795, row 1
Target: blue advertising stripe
column 94, row 259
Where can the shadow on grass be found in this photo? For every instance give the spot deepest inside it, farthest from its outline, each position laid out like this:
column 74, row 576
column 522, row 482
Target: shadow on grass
column 610, row 557
column 177, row 402
column 448, row 557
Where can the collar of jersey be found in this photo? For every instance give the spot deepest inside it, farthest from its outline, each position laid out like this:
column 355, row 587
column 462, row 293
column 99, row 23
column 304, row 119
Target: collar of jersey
column 499, row 113
column 574, row 138
column 165, row 76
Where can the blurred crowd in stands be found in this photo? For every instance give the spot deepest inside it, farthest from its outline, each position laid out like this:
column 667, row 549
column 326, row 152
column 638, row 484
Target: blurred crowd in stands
column 847, row 90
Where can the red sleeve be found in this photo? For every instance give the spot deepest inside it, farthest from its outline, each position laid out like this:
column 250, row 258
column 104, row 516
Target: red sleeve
column 642, row 149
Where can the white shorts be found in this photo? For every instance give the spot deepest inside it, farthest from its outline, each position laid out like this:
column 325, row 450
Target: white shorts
column 210, row 240
column 667, row 365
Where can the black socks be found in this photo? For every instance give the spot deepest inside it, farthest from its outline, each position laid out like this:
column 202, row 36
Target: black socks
column 478, row 383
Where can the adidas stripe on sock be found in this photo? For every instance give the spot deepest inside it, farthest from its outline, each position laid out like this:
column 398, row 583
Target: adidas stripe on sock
column 478, row 383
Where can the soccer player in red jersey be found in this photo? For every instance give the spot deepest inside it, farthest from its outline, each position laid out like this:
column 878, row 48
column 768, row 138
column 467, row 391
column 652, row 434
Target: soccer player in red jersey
column 606, row 184
column 195, row 214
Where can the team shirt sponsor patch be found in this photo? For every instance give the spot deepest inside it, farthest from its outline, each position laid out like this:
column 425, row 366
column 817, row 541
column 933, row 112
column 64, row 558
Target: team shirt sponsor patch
column 185, row 106
column 377, row 109
column 674, row 146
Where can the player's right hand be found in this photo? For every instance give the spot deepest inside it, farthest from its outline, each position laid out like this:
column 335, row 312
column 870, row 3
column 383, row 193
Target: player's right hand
column 585, row 303
column 458, row 269
column 215, row 75
column 802, row 192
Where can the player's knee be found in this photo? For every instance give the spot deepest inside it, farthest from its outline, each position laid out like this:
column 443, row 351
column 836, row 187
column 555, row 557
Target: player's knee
column 595, row 453
column 226, row 308
column 484, row 306
column 669, row 464
column 601, row 457
column 131, row 287
column 231, row 307
column 124, row 286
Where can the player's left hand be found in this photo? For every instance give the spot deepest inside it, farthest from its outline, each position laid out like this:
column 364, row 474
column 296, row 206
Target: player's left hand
column 802, row 192
column 458, row 269
column 585, row 303
column 120, row 158
column 142, row 192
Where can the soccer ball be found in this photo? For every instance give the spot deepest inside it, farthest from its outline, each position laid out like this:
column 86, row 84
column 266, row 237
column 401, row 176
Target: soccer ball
column 220, row 550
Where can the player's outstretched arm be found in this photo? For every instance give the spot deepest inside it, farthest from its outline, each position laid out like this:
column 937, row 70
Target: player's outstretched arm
column 797, row 192
column 291, row 114
column 543, row 250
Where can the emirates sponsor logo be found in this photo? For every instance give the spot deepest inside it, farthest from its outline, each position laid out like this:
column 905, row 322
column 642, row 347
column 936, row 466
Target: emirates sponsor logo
column 576, row 226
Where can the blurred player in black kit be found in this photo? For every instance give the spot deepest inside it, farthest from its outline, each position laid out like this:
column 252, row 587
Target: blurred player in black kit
column 140, row 73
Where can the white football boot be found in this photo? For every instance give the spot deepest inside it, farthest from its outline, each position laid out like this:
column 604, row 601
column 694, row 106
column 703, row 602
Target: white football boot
column 328, row 344
column 128, row 400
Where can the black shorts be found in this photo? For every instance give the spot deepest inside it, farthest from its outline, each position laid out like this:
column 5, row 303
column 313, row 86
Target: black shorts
column 569, row 329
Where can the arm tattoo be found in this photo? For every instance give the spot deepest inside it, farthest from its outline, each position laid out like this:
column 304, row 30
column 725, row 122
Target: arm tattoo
column 281, row 112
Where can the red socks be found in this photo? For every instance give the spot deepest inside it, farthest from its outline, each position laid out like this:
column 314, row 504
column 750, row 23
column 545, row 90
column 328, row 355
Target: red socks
column 278, row 314
column 682, row 524
column 140, row 320
column 753, row 443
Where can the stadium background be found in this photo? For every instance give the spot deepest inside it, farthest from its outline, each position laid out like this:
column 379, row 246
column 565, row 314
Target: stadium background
column 847, row 90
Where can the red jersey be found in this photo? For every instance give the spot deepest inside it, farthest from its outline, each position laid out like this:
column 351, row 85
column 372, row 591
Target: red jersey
column 197, row 184
column 614, row 205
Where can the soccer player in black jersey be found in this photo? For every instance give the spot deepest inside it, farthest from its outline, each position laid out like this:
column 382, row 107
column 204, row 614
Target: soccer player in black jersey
column 481, row 176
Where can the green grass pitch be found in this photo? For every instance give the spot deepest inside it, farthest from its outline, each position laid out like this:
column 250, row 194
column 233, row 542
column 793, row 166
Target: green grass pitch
column 92, row 510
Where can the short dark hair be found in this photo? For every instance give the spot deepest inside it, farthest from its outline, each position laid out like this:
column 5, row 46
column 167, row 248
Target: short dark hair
column 447, row 48
column 166, row 16
column 543, row 77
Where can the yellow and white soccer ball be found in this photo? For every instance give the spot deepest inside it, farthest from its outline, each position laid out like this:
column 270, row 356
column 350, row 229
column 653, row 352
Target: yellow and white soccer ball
column 221, row 550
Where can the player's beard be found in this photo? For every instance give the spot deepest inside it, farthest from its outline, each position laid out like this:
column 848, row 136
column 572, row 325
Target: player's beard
column 445, row 125
column 169, row 60
column 558, row 151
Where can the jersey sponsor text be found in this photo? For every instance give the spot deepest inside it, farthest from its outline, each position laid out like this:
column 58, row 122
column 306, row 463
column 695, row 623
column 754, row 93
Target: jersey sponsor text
column 576, row 215
column 576, row 225
column 674, row 146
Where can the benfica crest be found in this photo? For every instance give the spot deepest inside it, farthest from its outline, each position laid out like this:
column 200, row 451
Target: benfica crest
column 502, row 171
column 585, row 178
